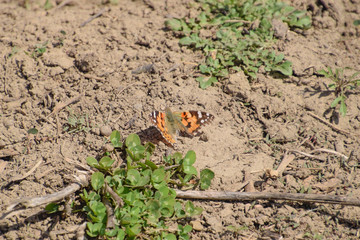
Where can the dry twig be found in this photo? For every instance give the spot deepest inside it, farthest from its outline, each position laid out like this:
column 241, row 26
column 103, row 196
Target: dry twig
column 245, row 196
column 288, row 158
column 330, row 151
column 82, row 181
column 93, row 17
column 115, row 196
column 61, row 105
column 62, row 4
column 308, row 155
column 329, row 124
column 28, row 173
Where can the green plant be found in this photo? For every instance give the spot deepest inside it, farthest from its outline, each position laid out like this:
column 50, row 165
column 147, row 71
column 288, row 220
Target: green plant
column 48, row 5
column 341, row 84
column 237, row 35
column 77, row 123
column 14, row 51
column 141, row 193
column 237, row 229
column 39, row 50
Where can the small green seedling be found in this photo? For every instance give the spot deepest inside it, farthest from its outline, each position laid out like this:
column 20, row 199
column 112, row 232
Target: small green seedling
column 48, row 5
column 341, row 84
column 77, row 123
column 14, row 51
column 40, row 49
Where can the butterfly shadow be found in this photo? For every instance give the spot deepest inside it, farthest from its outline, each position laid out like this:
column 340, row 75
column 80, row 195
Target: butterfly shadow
column 152, row 135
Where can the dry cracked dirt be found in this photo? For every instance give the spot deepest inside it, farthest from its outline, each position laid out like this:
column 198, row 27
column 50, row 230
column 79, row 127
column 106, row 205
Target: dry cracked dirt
column 256, row 124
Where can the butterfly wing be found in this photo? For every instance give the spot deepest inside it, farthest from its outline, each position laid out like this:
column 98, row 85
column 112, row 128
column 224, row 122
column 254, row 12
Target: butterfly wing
column 193, row 120
column 170, row 123
column 166, row 129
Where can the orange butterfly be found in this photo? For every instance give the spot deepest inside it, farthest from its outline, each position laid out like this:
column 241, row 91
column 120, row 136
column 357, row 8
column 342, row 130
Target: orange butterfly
column 170, row 123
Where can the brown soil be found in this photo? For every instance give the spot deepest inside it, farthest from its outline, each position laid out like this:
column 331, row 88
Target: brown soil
column 97, row 61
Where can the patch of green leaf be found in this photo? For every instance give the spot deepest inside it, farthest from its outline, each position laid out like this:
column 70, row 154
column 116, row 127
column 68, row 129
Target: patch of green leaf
column 115, row 139
column 357, row 22
column 39, row 50
column 14, row 51
column 97, row 180
column 52, row 208
column 33, row 131
column 237, row 36
column 146, row 189
column 206, row 176
column 77, row 123
column 48, row 5
column 341, row 85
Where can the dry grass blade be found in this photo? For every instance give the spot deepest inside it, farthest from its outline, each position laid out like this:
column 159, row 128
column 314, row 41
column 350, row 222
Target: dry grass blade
column 61, row 105
column 308, row 155
column 28, row 173
column 330, row 151
column 93, row 17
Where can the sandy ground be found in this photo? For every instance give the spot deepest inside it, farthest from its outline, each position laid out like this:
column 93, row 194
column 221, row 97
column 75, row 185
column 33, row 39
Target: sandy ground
column 255, row 124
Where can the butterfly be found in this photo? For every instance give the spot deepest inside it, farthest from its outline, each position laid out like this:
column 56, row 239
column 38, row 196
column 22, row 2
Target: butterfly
column 170, row 123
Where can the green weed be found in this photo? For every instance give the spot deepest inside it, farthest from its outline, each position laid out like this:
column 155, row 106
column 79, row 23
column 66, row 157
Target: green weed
column 77, row 123
column 48, row 5
column 14, row 51
column 237, row 229
column 341, row 85
column 237, row 36
column 39, row 50
column 148, row 203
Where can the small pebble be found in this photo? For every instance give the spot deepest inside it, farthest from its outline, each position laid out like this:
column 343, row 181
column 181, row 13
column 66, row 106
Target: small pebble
column 8, row 123
column 197, row 225
column 105, row 130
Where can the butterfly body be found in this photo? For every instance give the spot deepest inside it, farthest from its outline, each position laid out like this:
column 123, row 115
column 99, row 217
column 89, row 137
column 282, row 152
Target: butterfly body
column 171, row 123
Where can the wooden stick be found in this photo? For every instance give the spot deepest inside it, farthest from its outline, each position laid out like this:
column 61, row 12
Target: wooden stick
column 287, row 159
column 115, row 196
column 54, row 197
column 82, row 181
column 93, row 17
column 329, row 124
column 245, row 196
